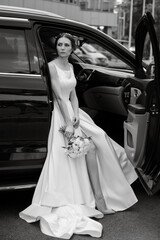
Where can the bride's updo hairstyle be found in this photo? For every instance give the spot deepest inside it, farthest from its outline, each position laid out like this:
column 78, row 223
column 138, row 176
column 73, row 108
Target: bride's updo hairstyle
column 66, row 35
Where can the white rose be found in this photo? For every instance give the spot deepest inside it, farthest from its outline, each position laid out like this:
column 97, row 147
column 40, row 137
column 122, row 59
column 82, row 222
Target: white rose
column 86, row 141
column 75, row 146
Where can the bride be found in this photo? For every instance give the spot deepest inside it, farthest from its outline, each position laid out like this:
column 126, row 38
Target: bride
column 70, row 192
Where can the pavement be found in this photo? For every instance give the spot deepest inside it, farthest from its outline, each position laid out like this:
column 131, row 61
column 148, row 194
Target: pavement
column 140, row 222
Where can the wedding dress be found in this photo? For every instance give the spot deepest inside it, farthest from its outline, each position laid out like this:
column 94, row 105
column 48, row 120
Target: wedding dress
column 63, row 200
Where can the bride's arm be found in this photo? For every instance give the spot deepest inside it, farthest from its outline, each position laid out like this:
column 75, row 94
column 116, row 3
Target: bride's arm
column 62, row 104
column 75, row 106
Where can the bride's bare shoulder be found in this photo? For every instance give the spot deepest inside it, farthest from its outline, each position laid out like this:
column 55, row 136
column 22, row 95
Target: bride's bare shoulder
column 52, row 64
column 52, row 68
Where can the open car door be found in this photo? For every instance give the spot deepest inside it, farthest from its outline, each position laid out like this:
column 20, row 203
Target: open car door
column 142, row 128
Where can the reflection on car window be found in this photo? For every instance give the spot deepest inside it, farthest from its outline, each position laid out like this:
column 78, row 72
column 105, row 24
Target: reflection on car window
column 93, row 53
column 89, row 48
column 13, row 51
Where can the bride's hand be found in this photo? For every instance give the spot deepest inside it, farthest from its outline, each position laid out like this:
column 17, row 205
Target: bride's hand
column 69, row 131
column 76, row 122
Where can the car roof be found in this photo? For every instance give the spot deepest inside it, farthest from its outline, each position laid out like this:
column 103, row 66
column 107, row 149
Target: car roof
column 18, row 14
column 11, row 11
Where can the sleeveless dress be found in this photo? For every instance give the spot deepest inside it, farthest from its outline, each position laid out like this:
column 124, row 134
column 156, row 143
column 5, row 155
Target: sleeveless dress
column 63, row 200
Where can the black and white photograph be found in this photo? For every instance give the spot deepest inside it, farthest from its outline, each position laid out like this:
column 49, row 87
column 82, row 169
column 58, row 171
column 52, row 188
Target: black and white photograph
column 79, row 119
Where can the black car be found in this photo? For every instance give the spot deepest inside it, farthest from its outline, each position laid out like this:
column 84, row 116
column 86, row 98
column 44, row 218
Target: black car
column 123, row 97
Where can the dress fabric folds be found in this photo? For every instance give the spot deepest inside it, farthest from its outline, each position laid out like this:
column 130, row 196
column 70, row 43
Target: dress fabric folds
column 63, row 200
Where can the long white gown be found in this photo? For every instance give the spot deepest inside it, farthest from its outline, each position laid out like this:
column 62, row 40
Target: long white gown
column 63, row 200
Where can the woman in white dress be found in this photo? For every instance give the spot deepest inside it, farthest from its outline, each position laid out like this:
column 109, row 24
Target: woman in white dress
column 72, row 191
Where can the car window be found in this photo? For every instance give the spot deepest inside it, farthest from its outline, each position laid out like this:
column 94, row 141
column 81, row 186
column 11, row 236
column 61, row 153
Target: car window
column 148, row 57
column 13, row 51
column 87, row 51
column 147, row 51
column 93, row 53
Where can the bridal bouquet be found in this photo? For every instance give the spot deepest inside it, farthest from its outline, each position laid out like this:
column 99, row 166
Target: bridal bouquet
column 77, row 146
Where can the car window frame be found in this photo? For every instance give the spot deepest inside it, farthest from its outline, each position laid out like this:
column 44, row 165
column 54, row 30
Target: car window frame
column 79, row 31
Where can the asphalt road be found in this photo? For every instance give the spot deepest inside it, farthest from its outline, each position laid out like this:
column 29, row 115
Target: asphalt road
column 141, row 222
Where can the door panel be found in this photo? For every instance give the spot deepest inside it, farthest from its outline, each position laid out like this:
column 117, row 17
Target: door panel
column 137, row 123
column 24, row 109
column 24, row 103
column 141, row 129
column 135, row 133
column 106, row 98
